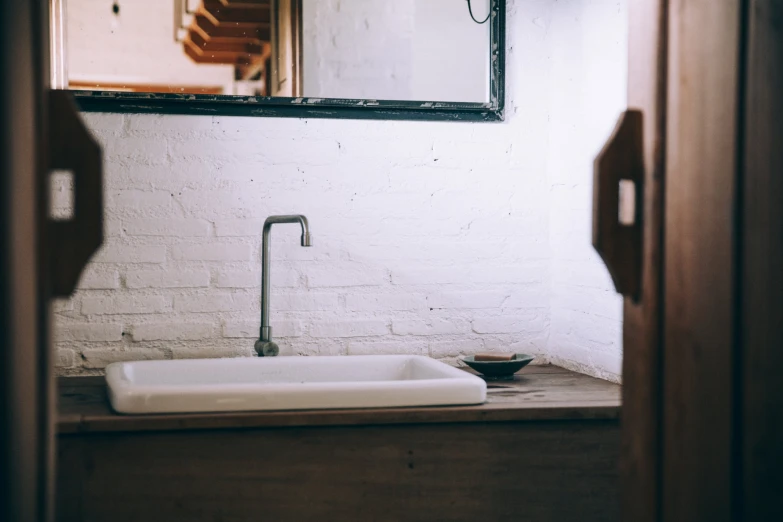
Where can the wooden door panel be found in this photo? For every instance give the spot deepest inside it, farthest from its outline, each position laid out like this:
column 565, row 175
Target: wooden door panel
column 700, row 264
column 26, row 385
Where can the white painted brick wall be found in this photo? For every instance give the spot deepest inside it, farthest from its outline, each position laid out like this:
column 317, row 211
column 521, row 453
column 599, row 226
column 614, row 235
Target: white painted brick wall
column 167, row 227
column 212, row 251
column 215, row 302
column 589, row 92
column 99, row 279
column 247, row 278
column 167, row 279
column 431, row 326
column 349, row 327
column 347, row 274
column 91, row 332
column 238, row 227
column 304, row 302
column 123, row 254
column 125, row 304
column 430, row 238
column 171, row 331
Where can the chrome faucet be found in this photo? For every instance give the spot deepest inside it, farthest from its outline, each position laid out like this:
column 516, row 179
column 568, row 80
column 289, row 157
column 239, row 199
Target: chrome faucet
column 264, row 346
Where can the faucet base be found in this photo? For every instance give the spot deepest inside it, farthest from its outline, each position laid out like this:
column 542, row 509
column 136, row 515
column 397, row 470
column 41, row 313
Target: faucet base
column 266, row 348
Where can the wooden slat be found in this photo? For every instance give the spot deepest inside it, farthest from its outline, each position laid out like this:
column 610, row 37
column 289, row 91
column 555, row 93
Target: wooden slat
column 240, row 46
column 235, row 14
column 146, row 87
column 247, row 3
column 256, row 32
column 641, row 422
column 701, row 166
column 535, row 395
column 537, row 472
column 201, row 56
column 761, row 279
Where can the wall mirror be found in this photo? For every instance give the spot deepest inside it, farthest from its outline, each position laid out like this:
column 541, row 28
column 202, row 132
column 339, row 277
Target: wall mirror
column 401, row 59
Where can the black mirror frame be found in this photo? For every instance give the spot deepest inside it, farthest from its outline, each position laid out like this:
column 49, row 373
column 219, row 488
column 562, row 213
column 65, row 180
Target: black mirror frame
column 266, row 106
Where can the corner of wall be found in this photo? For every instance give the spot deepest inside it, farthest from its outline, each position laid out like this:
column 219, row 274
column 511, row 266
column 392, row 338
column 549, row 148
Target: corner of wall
column 588, row 51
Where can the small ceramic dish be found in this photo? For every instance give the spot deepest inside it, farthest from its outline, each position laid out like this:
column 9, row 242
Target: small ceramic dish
column 499, row 370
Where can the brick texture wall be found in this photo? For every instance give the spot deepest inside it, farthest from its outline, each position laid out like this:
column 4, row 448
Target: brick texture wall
column 429, row 238
column 588, row 76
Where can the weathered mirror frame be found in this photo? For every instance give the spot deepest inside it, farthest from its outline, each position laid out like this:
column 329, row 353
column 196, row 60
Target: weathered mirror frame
column 265, row 106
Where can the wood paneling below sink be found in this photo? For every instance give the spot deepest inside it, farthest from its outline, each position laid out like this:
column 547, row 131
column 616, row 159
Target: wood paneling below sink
column 532, row 471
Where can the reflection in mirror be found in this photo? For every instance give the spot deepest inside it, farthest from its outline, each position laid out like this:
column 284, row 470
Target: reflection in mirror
column 362, row 49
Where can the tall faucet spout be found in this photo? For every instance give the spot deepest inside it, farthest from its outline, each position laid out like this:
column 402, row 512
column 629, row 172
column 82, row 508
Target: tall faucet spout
column 265, row 346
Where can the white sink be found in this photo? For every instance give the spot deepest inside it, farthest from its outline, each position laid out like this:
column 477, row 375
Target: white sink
column 288, row 383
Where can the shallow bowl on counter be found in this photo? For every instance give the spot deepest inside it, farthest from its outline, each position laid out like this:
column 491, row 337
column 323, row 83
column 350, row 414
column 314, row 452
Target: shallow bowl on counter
column 499, row 370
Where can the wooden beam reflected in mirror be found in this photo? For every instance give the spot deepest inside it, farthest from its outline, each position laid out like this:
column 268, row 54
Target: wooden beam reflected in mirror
column 234, row 33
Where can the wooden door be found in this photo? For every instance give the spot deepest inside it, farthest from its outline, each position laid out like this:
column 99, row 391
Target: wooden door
column 40, row 130
column 703, row 333
column 700, row 263
column 25, row 371
column 702, row 400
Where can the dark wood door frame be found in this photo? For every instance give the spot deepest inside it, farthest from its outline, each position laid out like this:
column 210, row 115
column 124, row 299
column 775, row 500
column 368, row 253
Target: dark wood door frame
column 723, row 324
column 760, row 286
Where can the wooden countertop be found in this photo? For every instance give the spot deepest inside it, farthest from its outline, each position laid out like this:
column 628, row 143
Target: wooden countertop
column 537, row 393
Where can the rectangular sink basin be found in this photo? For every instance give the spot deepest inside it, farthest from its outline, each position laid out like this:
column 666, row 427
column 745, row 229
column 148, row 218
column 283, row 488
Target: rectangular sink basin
column 288, row 383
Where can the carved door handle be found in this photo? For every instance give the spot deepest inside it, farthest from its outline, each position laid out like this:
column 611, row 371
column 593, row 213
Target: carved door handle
column 73, row 242
column 618, row 188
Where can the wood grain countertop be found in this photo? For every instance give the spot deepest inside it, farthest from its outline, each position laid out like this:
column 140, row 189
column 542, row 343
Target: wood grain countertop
column 539, row 392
